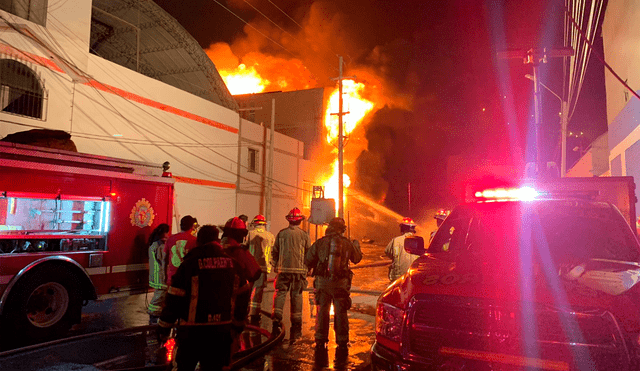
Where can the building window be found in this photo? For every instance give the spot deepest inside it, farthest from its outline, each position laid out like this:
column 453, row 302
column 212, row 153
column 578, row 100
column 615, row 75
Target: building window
column 254, row 156
column 21, row 92
column 31, row 10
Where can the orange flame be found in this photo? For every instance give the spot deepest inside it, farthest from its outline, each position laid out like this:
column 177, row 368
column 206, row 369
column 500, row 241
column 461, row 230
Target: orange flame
column 243, row 80
column 352, row 102
column 356, row 108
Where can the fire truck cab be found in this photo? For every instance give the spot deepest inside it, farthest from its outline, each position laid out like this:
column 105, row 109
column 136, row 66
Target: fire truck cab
column 518, row 279
column 73, row 227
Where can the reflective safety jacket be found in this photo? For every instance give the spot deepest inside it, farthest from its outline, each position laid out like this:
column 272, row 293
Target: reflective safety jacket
column 260, row 244
column 330, row 256
column 204, row 288
column 157, row 273
column 292, row 243
column 177, row 246
column 401, row 259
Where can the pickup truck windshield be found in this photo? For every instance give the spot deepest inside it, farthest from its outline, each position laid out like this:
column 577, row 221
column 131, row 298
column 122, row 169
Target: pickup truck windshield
column 570, row 231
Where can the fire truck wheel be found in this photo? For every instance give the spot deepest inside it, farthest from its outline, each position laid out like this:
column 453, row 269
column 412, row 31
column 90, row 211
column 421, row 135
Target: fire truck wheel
column 43, row 304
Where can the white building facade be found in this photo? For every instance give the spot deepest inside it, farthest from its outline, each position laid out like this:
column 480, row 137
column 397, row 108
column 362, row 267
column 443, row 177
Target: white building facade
column 621, row 36
column 125, row 80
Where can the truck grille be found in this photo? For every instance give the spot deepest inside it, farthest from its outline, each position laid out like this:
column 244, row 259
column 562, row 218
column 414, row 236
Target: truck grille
column 469, row 323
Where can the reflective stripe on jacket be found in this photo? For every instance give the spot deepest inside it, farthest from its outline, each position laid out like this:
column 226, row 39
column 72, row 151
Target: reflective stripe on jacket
column 175, row 249
column 204, row 288
column 157, row 276
column 260, row 244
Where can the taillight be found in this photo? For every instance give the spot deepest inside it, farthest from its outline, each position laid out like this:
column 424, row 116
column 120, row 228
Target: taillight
column 170, row 345
column 389, row 321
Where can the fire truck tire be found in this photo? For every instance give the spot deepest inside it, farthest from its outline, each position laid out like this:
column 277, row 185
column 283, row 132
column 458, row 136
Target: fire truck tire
column 44, row 304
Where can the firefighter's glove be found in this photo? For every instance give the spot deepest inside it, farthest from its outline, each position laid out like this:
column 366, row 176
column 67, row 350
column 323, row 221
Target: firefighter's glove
column 356, row 244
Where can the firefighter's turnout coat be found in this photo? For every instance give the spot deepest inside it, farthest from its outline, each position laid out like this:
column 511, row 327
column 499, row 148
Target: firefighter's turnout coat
column 204, row 288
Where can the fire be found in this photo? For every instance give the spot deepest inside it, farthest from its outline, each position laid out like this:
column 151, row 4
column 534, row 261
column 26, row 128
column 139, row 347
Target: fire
column 243, row 80
column 331, row 188
column 357, row 108
column 352, row 102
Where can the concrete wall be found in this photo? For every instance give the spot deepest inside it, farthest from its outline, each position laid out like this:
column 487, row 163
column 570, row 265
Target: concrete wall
column 298, row 114
column 118, row 112
column 595, row 161
column 290, row 174
column 621, row 36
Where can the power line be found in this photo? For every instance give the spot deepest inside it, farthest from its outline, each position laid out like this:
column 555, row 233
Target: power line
column 137, row 128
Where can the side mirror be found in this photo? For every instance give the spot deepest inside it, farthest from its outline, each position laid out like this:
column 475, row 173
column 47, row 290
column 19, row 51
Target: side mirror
column 414, row 245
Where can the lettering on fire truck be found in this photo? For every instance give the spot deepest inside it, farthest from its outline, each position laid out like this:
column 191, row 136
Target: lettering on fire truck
column 452, row 279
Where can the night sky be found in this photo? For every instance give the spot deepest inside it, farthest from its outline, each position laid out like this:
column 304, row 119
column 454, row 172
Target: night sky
column 438, row 55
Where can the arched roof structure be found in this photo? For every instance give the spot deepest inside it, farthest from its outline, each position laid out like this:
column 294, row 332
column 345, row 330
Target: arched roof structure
column 141, row 36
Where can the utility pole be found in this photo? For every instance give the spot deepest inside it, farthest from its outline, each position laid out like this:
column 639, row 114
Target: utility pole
column 340, row 114
column 563, row 132
column 535, row 57
column 270, row 176
column 340, row 148
column 239, row 161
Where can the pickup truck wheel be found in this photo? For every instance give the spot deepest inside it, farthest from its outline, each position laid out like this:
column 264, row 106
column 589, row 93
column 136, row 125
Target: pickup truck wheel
column 43, row 305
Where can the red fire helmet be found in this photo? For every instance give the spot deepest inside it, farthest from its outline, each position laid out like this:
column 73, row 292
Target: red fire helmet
column 408, row 222
column 235, row 223
column 442, row 214
column 259, row 220
column 295, row 215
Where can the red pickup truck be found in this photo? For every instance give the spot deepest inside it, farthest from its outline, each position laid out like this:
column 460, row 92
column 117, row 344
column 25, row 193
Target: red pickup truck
column 517, row 279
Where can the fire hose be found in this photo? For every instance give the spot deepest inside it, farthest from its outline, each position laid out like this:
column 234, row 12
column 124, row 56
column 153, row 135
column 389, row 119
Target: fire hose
column 66, row 349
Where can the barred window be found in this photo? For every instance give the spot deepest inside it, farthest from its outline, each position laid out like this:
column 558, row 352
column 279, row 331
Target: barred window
column 21, row 92
column 254, row 155
column 31, row 10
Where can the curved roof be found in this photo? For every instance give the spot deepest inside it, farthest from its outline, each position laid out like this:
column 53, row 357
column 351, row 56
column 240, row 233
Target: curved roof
column 141, row 36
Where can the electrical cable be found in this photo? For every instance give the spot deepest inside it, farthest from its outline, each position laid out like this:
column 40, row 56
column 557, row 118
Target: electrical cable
column 137, row 127
column 283, row 30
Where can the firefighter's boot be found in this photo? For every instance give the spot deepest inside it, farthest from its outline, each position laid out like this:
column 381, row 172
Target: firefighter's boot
column 296, row 331
column 276, row 329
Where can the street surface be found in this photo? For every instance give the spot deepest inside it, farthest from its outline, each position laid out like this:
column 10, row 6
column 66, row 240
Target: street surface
column 367, row 283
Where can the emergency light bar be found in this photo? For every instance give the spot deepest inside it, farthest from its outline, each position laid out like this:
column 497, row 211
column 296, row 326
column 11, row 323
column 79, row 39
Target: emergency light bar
column 506, row 194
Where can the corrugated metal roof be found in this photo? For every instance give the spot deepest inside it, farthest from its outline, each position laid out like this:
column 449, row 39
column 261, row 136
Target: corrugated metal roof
column 165, row 52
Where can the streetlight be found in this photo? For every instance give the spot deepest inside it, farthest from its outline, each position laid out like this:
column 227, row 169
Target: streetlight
column 563, row 124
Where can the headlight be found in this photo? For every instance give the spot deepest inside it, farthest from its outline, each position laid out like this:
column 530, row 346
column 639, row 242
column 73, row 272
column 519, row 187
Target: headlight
column 389, row 320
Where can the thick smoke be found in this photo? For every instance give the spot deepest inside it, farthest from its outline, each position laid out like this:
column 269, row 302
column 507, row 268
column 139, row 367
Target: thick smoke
column 430, row 97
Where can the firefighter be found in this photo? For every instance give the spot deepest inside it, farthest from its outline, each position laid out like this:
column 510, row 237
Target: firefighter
column 234, row 233
column 440, row 216
column 400, row 259
column 157, row 279
column 287, row 256
column 201, row 298
column 179, row 244
column 260, row 243
column 329, row 257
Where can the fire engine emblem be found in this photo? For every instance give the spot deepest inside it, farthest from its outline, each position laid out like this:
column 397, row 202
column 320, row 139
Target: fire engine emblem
column 142, row 214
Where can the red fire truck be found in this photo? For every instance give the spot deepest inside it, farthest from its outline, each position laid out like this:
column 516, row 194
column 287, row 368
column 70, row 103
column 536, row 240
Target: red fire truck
column 73, row 227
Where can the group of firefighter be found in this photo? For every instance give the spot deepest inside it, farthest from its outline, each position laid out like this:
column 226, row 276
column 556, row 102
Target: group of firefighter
column 207, row 286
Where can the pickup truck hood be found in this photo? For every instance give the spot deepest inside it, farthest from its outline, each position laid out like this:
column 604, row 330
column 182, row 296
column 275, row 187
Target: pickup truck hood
column 607, row 285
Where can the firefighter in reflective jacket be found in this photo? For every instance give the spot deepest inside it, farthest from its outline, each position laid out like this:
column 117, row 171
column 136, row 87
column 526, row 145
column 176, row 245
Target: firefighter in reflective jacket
column 201, row 298
column 400, row 259
column 287, row 256
column 329, row 257
column 260, row 243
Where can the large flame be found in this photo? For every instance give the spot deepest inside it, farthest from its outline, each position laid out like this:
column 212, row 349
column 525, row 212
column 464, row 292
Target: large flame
column 352, row 102
column 356, row 108
column 243, row 80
